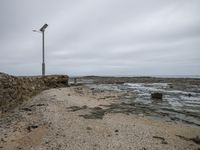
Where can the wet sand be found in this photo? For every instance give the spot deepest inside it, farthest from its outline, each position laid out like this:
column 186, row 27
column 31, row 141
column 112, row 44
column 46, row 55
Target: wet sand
column 79, row 118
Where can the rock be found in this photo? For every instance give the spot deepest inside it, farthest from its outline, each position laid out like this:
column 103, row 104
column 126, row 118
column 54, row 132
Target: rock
column 40, row 105
column 29, row 128
column 196, row 139
column 116, row 130
column 2, row 139
column 158, row 137
column 15, row 90
column 89, row 128
column 163, row 141
column 157, row 96
column 26, row 109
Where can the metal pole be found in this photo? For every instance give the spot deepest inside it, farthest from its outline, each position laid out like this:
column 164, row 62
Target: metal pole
column 43, row 63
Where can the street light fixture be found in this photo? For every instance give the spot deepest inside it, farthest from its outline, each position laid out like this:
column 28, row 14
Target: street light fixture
column 42, row 31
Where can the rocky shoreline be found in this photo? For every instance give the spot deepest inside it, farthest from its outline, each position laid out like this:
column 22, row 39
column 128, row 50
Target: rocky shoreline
column 14, row 90
column 81, row 118
column 176, row 83
column 175, row 99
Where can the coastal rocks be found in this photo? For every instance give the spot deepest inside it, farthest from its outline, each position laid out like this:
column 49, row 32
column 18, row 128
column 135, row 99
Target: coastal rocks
column 163, row 141
column 55, row 81
column 157, row 96
column 194, row 139
column 14, row 90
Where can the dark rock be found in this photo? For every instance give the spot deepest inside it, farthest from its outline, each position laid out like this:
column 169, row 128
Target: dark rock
column 97, row 108
column 84, row 107
column 89, row 128
column 26, row 109
column 157, row 96
column 40, row 105
column 171, row 86
column 29, row 128
column 158, row 137
column 2, row 139
column 163, row 141
column 116, row 130
column 76, row 108
column 196, row 139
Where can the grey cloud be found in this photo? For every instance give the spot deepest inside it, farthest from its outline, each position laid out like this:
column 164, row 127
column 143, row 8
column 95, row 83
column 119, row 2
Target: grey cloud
column 101, row 37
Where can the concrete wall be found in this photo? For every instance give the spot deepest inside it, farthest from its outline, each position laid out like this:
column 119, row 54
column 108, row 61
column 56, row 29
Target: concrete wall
column 14, row 90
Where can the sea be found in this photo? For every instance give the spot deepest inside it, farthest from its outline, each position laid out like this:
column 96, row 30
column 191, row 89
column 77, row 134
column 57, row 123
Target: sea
column 176, row 105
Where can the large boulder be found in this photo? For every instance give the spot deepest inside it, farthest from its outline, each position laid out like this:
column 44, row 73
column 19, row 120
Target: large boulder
column 157, row 96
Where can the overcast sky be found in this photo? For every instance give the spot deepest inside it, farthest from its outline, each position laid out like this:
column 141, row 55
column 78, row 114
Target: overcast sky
column 101, row 37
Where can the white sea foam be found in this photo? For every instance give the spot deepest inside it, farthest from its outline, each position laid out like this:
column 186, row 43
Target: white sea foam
column 175, row 98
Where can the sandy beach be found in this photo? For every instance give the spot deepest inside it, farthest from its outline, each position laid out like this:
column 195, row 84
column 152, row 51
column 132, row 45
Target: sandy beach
column 77, row 117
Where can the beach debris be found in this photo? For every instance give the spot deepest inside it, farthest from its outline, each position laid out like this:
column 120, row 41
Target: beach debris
column 158, row 137
column 37, row 105
column 163, row 141
column 19, row 147
column 116, row 130
column 194, row 139
column 40, row 105
column 2, row 139
column 76, row 108
column 89, row 128
column 26, row 109
column 30, row 127
column 157, row 96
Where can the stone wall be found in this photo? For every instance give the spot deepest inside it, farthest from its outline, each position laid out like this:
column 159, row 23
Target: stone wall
column 14, row 90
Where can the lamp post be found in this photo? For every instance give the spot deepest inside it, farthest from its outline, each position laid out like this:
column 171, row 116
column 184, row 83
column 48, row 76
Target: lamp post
column 42, row 29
